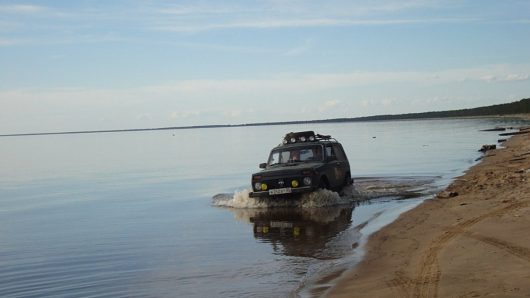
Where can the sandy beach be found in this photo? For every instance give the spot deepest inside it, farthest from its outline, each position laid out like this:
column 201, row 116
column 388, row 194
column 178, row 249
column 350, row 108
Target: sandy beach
column 470, row 241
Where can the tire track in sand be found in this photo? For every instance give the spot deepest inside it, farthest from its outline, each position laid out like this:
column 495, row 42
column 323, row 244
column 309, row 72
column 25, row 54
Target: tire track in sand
column 427, row 280
column 400, row 284
column 513, row 249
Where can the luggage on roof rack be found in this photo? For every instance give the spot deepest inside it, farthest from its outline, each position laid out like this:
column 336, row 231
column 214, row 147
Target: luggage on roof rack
column 304, row 136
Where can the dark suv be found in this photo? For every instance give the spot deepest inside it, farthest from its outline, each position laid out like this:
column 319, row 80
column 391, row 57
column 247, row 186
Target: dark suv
column 303, row 162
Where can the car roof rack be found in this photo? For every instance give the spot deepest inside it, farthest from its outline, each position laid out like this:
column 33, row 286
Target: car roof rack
column 304, row 137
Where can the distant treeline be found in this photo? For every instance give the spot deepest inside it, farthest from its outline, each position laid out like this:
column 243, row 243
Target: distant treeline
column 519, row 107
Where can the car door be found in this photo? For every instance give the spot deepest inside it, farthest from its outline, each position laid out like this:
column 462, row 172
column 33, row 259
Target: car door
column 341, row 165
column 335, row 161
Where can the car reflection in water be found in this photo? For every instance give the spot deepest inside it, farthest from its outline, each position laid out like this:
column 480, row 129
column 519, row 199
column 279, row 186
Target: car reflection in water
column 301, row 232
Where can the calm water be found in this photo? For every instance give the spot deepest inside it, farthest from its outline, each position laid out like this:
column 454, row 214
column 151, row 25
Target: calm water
column 138, row 214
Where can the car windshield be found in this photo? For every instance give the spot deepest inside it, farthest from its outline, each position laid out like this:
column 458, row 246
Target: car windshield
column 296, row 154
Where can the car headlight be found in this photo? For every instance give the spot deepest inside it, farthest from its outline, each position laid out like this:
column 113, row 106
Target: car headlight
column 307, row 181
column 294, row 183
column 264, row 186
column 257, row 186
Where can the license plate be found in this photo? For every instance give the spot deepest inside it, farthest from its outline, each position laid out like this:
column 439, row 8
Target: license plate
column 281, row 224
column 279, row 191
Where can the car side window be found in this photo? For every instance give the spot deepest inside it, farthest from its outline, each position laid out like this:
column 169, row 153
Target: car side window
column 306, row 154
column 330, row 153
column 286, row 155
column 275, row 158
column 340, row 153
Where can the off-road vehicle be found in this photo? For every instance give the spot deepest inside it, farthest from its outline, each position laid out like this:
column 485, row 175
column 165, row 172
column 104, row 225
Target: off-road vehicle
column 303, row 162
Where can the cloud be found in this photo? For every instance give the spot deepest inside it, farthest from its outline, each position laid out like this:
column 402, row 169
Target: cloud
column 234, row 113
column 71, row 24
column 144, row 116
column 6, row 42
column 302, row 83
column 505, row 78
column 299, row 84
column 197, row 9
column 199, row 18
column 486, row 73
column 296, row 8
column 297, row 50
column 287, row 97
column 365, row 103
column 277, row 23
column 329, row 105
column 388, row 102
column 21, row 9
column 184, row 114
column 516, row 77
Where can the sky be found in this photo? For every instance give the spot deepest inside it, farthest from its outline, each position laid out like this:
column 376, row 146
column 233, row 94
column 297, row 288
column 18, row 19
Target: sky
column 93, row 65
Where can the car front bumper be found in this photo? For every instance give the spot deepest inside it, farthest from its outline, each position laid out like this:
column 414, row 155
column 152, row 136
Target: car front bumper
column 297, row 190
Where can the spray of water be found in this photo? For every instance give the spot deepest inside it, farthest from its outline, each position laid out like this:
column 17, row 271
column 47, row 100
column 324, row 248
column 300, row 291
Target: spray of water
column 318, row 198
column 363, row 189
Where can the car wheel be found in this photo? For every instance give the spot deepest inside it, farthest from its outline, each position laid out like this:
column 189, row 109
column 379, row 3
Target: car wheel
column 324, row 184
column 347, row 180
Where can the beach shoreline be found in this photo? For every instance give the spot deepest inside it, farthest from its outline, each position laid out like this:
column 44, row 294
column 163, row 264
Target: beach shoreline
column 469, row 241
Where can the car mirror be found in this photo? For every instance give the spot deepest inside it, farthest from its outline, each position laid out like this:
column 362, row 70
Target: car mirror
column 262, row 165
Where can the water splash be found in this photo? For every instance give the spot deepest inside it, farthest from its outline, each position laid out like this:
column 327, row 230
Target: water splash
column 318, row 198
column 363, row 189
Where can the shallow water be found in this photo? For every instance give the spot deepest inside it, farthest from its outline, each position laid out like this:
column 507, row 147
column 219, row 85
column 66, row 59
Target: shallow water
column 165, row 213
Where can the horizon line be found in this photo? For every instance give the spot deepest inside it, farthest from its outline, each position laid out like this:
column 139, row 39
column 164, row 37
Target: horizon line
column 387, row 117
column 333, row 120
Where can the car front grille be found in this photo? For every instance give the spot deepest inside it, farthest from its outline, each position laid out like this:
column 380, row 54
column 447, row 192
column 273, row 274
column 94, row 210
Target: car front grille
column 276, row 183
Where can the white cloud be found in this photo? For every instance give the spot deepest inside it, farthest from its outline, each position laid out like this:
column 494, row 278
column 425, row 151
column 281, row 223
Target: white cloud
column 516, row 77
column 365, row 103
column 178, row 115
column 388, row 102
column 302, row 83
column 299, row 49
column 505, row 77
column 287, row 97
column 21, row 8
column 275, row 23
column 234, row 113
column 198, row 18
column 331, row 103
column 6, row 42
column 144, row 116
column 297, row 8
column 205, row 17
column 488, row 78
column 278, row 84
column 522, row 21
column 328, row 106
column 8, row 26
column 197, row 9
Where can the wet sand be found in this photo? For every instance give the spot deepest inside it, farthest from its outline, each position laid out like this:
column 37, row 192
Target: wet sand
column 473, row 244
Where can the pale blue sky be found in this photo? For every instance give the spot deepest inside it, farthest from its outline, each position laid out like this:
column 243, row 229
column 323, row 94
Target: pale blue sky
column 82, row 65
